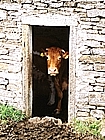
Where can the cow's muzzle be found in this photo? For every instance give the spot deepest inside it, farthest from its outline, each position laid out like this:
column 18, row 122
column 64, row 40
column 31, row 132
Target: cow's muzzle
column 52, row 71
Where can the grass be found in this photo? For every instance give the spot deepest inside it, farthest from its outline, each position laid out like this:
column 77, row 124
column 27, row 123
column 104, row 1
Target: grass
column 8, row 113
column 88, row 127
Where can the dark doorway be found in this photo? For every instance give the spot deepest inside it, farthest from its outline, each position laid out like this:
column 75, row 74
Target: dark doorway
column 44, row 37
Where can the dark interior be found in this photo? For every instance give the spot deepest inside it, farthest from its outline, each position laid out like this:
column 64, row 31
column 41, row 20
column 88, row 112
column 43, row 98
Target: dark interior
column 44, row 37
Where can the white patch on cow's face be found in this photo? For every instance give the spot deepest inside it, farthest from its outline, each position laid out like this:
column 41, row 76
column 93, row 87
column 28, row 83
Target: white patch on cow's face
column 52, row 71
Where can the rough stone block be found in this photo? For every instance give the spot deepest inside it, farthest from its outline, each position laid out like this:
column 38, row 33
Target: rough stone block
column 90, row 107
column 94, row 97
column 100, row 5
column 92, row 43
column 80, row 10
column 90, row 31
column 13, row 36
column 89, row 6
column 10, row 68
column 99, row 67
column 13, row 87
column 99, row 51
column 85, row 101
column 92, row 59
column 97, row 84
column 27, row 1
column 102, row 31
column 95, row 19
column 97, row 114
column 82, row 114
column 14, row 68
column 3, row 81
column 95, row 13
column 101, row 108
column 95, row 37
column 100, row 80
column 3, row 87
column 86, row 67
column 3, row 66
column 97, row 98
column 2, row 35
column 48, row 1
column 2, row 14
column 98, row 88
column 83, row 88
column 82, row 96
column 82, row 109
column 92, row 13
column 3, row 51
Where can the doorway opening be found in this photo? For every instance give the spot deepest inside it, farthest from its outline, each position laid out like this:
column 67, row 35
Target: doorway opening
column 44, row 37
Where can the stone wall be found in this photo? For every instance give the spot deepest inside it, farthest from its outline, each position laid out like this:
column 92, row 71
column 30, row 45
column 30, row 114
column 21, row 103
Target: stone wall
column 90, row 71
column 90, row 50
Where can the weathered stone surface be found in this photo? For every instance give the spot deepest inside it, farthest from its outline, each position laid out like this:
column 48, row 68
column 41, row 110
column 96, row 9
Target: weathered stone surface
column 97, row 114
column 56, row 5
column 10, row 6
column 82, row 114
column 3, row 87
column 97, row 98
column 101, row 108
column 95, row 13
column 93, row 43
column 2, row 14
column 99, row 67
column 2, row 35
column 97, row 37
column 100, row 80
column 3, row 81
column 4, row 66
column 92, row 59
column 87, row 67
column 83, row 88
column 14, row 87
column 94, row 97
column 90, row 107
column 103, row 128
column 98, row 51
column 98, row 88
column 10, row 67
column 45, row 119
column 3, row 51
column 13, row 36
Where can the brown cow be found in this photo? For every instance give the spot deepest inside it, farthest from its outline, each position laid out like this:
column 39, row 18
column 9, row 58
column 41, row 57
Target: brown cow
column 56, row 68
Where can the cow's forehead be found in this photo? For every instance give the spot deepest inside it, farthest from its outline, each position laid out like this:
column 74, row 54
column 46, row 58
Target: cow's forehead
column 54, row 51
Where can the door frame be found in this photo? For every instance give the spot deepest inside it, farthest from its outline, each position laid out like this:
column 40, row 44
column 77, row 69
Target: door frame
column 48, row 20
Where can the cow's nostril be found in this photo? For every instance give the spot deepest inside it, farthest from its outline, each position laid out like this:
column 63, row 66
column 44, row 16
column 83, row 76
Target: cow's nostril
column 52, row 69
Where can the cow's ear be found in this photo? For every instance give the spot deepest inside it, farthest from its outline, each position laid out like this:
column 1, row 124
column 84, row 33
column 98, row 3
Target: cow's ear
column 43, row 52
column 65, row 55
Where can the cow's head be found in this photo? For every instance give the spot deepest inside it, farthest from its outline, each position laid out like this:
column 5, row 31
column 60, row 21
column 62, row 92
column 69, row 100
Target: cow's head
column 54, row 57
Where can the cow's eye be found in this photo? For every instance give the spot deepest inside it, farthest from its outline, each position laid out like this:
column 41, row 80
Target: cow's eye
column 59, row 57
column 48, row 57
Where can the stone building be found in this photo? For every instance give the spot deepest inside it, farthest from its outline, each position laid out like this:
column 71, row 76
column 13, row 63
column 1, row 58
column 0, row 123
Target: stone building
column 85, row 20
